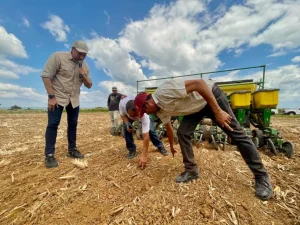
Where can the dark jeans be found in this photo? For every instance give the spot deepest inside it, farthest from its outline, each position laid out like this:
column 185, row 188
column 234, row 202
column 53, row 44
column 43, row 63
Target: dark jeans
column 130, row 142
column 244, row 143
column 53, row 122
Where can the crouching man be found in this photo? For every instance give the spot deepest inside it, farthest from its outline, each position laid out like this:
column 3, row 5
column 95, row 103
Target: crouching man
column 129, row 113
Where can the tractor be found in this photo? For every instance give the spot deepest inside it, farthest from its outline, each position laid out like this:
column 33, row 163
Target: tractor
column 251, row 103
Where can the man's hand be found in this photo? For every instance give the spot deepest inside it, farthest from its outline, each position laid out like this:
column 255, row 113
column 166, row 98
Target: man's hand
column 224, row 119
column 81, row 72
column 52, row 103
column 173, row 151
column 143, row 161
column 129, row 127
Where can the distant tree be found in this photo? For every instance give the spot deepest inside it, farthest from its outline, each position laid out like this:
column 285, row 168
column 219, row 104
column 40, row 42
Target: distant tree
column 15, row 107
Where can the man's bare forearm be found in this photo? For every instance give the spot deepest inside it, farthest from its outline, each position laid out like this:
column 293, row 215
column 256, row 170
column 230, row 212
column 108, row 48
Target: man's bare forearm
column 146, row 141
column 125, row 119
column 48, row 85
column 170, row 134
column 87, row 82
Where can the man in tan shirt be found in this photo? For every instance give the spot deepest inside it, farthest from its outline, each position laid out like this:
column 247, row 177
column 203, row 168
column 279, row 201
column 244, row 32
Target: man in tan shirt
column 63, row 76
column 195, row 99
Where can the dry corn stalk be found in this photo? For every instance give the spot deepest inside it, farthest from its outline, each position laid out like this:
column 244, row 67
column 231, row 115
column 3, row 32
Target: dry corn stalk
column 232, row 217
column 80, row 163
column 119, row 209
column 67, row 177
column 175, row 211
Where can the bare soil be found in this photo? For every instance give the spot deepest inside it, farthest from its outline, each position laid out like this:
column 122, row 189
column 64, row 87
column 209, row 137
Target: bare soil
column 110, row 189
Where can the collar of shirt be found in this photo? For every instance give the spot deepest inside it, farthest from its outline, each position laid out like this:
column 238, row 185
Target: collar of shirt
column 156, row 101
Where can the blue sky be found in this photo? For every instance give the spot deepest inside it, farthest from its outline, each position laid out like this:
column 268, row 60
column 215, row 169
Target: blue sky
column 135, row 40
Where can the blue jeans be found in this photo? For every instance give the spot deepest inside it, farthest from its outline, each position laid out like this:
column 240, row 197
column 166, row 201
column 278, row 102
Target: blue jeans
column 54, row 118
column 130, row 142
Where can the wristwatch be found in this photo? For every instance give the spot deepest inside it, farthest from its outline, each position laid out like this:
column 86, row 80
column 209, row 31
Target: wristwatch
column 51, row 96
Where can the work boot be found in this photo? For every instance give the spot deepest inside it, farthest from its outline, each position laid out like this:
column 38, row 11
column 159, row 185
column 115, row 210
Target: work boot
column 74, row 153
column 263, row 187
column 131, row 154
column 187, row 176
column 163, row 151
column 50, row 161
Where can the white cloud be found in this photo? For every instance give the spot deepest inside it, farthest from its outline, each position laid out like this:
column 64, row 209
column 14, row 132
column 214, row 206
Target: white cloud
column 67, row 46
column 9, row 65
column 122, row 88
column 57, row 28
column 168, row 40
column 115, row 61
column 26, row 22
column 283, row 33
column 10, row 45
column 93, row 98
column 107, row 17
column 296, row 59
column 184, row 37
column 23, row 96
column 280, row 53
column 8, row 74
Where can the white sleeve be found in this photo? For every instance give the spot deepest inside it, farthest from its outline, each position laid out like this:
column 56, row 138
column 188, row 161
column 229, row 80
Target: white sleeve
column 145, row 123
column 122, row 109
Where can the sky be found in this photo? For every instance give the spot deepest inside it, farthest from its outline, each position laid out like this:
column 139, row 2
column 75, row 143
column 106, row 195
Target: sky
column 132, row 40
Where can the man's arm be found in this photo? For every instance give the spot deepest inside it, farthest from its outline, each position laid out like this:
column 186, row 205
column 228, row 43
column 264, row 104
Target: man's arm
column 108, row 100
column 86, row 77
column 51, row 67
column 48, row 85
column 144, row 157
column 170, row 135
column 125, row 119
column 87, row 82
column 201, row 87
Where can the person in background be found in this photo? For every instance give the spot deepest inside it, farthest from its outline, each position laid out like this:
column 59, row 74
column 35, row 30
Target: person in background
column 113, row 107
column 195, row 99
column 63, row 75
column 129, row 113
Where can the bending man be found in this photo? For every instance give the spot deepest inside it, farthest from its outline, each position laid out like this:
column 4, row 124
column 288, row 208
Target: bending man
column 195, row 99
column 129, row 113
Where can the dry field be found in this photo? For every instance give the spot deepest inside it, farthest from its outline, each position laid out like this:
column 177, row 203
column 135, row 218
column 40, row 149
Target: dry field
column 110, row 189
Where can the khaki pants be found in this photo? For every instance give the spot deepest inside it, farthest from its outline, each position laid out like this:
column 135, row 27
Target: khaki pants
column 114, row 118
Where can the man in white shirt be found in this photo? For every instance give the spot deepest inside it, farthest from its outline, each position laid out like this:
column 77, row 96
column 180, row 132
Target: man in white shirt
column 129, row 113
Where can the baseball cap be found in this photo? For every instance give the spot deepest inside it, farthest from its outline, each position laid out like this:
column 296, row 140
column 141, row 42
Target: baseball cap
column 81, row 46
column 139, row 101
column 114, row 88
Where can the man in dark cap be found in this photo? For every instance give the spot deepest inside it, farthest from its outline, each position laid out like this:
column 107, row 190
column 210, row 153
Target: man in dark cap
column 113, row 108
